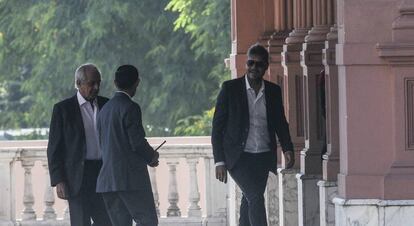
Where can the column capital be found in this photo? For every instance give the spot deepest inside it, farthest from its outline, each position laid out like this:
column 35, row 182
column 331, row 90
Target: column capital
column 297, row 36
column 403, row 26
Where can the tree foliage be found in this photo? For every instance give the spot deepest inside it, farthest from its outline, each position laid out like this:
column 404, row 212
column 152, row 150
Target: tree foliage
column 180, row 63
column 208, row 23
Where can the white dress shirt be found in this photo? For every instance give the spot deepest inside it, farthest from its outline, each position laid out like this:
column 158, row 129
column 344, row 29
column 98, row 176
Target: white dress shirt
column 258, row 139
column 89, row 123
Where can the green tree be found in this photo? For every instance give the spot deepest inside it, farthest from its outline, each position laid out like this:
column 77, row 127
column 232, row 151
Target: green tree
column 208, row 23
column 48, row 39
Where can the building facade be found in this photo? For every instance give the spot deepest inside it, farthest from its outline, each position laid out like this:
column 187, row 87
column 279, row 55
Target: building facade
column 346, row 68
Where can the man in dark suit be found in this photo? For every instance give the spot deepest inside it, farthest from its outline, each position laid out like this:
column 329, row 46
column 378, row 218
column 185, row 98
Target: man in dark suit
column 124, row 180
column 73, row 153
column 249, row 114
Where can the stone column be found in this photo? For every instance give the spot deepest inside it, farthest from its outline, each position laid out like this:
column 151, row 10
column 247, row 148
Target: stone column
column 28, row 197
column 292, row 93
column 311, row 165
column 66, row 213
column 288, row 197
column 328, row 188
column 246, row 31
column 194, row 209
column 173, row 197
column 272, row 200
column 276, row 39
column 153, row 176
column 234, row 200
column 7, row 194
column 376, row 180
column 49, row 199
column 216, row 196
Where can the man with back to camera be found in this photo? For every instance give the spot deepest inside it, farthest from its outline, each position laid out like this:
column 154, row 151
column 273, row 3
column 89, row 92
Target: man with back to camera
column 124, row 180
column 248, row 115
column 73, row 152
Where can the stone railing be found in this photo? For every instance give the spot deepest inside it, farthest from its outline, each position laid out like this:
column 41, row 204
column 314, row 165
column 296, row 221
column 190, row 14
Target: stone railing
column 187, row 161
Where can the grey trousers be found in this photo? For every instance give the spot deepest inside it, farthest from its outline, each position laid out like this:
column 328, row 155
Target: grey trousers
column 88, row 205
column 250, row 173
column 125, row 206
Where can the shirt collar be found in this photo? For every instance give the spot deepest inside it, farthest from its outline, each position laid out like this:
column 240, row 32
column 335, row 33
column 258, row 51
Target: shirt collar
column 120, row 91
column 249, row 87
column 82, row 100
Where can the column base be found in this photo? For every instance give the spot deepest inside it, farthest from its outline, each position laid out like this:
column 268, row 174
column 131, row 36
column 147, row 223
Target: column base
column 272, row 200
column 6, row 223
column 43, row 223
column 373, row 212
column 233, row 202
column 308, row 199
column 288, row 197
column 327, row 191
column 215, row 221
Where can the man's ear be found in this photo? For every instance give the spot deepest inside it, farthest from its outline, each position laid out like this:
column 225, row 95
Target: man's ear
column 78, row 83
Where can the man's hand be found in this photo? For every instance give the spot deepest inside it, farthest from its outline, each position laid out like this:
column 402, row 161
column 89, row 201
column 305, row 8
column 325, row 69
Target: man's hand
column 289, row 159
column 154, row 162
column 221, row 173
column 62, row 190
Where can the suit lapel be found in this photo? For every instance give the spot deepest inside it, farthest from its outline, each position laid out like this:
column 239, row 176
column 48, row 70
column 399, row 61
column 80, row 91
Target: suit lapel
column 78, row 119
column 100, row 102
column 243, row 98
column 269, row 104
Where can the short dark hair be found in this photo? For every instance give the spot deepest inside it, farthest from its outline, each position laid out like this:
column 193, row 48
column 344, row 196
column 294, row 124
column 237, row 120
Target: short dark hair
column 126, row 76
column 258, row 50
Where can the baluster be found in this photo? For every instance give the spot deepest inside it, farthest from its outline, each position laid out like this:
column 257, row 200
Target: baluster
column 49, row 199
column 194, row 209
column 153, row 177
column 66, row 214
column 173, row 210
column 28, row 198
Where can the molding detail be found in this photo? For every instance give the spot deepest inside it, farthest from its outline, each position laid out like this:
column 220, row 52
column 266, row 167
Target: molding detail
column 397, row 53
column 409, row 103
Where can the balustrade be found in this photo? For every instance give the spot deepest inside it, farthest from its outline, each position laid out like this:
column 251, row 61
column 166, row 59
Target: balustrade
column 172, row 154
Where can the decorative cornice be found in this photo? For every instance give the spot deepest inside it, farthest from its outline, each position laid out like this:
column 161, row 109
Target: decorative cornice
column 397, row 53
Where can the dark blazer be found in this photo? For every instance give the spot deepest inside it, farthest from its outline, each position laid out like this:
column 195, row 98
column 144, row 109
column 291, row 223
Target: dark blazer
column 66, row 149
column 125, row 151
column 231, row 121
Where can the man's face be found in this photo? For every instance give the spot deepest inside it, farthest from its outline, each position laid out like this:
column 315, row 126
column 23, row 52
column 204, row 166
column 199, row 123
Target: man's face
column 89, row 88
column 256, row 67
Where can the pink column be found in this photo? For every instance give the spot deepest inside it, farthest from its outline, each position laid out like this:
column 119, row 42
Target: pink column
column 293, row 90
column 276, row 39
column 366, row 99
column 328, row 188
column 330, row 163
column 375, row 56
column 248, row 23
column 314, row 122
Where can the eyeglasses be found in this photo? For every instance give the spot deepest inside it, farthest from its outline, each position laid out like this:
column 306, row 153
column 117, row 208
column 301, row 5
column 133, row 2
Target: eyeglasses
column 261, row 64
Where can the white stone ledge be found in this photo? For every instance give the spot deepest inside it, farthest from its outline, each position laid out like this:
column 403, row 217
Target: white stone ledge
column 372, row 202
column 324, row 183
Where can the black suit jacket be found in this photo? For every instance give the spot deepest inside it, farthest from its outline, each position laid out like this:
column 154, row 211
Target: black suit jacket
column 231, row 122
column 125, row 151
column 66, row 149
